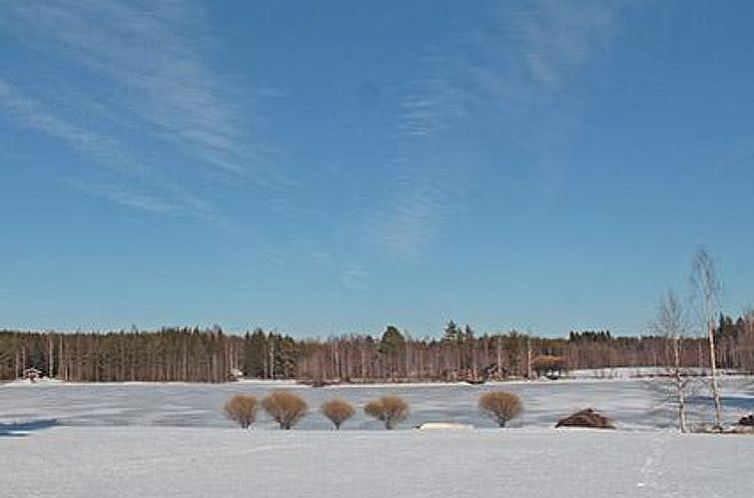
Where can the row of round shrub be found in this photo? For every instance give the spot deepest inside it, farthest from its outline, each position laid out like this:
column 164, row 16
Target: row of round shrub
column 288, row 408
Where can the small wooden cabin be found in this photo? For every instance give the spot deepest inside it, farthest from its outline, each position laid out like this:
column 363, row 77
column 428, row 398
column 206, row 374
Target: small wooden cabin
column 549, row 366
column 32, row 374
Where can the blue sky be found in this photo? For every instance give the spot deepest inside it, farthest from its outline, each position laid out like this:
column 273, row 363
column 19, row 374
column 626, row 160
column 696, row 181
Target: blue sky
column 331, row 167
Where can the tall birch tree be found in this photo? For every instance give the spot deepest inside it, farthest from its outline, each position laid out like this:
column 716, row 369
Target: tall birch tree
column 706, row 288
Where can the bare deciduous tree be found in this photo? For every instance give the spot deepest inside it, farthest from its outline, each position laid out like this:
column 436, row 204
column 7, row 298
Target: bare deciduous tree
column 707, row 293
column 389, row 409
column 242, row 408
column 337, row 410
column 670, row 323
column 501, row 406
column 285, row 407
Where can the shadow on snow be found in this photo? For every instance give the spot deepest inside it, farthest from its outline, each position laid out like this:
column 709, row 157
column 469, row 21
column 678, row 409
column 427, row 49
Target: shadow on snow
column 24, row 428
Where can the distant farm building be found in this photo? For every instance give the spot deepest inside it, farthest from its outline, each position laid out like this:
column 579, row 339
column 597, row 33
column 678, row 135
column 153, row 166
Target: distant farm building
column 32, row 374
column 549, row 366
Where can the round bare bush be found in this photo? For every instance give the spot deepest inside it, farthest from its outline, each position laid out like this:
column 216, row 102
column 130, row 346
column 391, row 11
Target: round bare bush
column 391, row 410
column 337, row 410
column 285, row 407
column 501, row 406
column 242, row 408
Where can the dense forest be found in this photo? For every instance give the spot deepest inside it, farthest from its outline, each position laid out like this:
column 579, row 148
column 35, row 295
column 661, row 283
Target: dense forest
column 211, row 355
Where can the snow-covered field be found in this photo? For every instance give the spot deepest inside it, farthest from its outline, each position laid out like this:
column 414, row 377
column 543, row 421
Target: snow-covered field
column 636, row 404
column 172, row 440
column 194, row 462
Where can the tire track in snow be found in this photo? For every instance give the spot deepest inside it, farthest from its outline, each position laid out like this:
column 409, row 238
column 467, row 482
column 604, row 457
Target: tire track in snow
column 651, row 479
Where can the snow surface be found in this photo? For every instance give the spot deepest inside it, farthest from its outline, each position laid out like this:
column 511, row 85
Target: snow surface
column 636, row 404
column 636, row 372
column 201, row 462
column 148, row 440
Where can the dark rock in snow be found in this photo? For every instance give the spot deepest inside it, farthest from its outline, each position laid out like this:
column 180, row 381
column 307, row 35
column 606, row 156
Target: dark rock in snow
column 748, row 420
column 587, row 417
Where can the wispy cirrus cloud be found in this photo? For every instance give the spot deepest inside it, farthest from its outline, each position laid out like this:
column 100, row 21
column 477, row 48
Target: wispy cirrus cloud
column 429, row 108
column 412, row 218
column 353, row 277
column 515, row 62
column 33, row 114
column 110, row 153
column 134, row 77
column 534, row 48
column 148, row 52
column 135, row 198
column 431, row 105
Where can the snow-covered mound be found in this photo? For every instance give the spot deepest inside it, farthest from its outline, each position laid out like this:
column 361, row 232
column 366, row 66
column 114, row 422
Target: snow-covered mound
column 636, row 372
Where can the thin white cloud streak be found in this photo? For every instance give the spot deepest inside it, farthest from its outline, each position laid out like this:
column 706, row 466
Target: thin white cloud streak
column 354, row 277
column 119, row 194
column 149, row 52
column 524, row 58
column 412, row 219
column 429, row 108
column 553, row 42
column 105, row 150
column 133, row 73
column 35, row 115
column 538, row 46
column 152, row 85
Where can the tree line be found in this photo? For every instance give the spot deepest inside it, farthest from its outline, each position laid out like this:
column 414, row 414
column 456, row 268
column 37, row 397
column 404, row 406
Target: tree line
column 211, row 355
